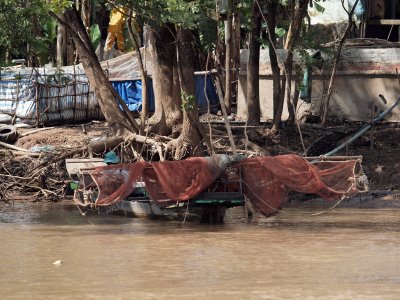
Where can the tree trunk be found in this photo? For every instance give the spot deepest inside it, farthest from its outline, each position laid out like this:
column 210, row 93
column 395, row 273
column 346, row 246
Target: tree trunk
column 228, row 58
column 287, row 72
column 86, row 13
column 253, row 95
column 167, row 109
column 220, row 54
column 120, row 121
column 61, row 44
column 235, row 56
column 289, row 100
column 298, row 15
column 143, row 73
column 189, row 141
column 272, row 8
column 327, row 98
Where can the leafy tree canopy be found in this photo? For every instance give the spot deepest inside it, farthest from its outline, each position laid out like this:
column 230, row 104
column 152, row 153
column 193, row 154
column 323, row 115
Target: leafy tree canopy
column 27, row 29
column 20, row 22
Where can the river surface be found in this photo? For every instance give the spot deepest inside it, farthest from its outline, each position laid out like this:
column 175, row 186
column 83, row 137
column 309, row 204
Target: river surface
column 344, row 254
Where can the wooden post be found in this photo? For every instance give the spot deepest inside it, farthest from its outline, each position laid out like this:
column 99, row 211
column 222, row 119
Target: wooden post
column 16, row 104
column 228, row 58
column 74, row 108
column 37, row 101
column 59, row 98
column 47, row 91
column 87, row 108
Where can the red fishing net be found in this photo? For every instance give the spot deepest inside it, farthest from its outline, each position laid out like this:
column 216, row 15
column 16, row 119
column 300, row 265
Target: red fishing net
column 268, row 179
column 164, row 181
column 265, row 180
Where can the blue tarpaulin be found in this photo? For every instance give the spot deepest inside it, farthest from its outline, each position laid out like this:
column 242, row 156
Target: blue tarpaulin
column 131, row 92
column 209, row 94
column 359, row 10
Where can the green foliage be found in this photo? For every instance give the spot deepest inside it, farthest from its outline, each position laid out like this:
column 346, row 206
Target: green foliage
column 44, row 45
column 312, row 39
column 95, row 35
column 26, row 28
column 280, row 32
column 196, row 14
column 244, row 8
column 58, row 6
column 188, row 101
column 25, row 23
column 208, row 33
column 18, row 76
column 159, row 12
column 50, row 30
column 18, row 21
column 58, row 77
column 318, row 6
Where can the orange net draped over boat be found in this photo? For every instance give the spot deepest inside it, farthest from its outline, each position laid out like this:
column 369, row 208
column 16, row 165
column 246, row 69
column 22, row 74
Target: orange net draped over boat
column 164, row 181
column 116, row 182
column 266, row 180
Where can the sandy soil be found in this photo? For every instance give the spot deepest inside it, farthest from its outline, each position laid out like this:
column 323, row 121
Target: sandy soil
column 60, row 137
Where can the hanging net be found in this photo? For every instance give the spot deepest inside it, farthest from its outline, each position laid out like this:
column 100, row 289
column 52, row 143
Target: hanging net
column 265, row 181
column 165, row 182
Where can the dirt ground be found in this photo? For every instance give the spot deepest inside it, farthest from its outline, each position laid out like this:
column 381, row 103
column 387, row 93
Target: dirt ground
column 381, row 163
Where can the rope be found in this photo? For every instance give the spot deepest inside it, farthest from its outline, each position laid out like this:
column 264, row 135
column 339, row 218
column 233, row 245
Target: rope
column 186, row 213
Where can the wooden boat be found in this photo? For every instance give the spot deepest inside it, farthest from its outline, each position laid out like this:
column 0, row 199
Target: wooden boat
column 208, row 207
column 207, row 186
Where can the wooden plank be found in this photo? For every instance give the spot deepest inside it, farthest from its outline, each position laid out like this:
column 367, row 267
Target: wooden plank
column 384, row 22
column 74, row 165
column 332, row 158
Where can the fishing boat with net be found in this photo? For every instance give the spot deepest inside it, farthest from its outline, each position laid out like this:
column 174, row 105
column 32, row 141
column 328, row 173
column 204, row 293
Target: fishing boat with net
column 207, row 186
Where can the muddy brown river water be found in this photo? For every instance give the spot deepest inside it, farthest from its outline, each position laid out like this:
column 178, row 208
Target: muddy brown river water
column 344, row 254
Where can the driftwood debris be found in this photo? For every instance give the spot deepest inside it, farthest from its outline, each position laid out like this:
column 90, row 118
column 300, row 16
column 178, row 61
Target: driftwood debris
column 35, row 131
column 18, row 149
column 41, row 176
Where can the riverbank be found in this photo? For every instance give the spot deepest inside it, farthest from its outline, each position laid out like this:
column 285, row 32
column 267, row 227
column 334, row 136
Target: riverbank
column 371, row 199
column 380, row 162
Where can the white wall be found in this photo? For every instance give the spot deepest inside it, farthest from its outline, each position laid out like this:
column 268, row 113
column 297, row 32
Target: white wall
column 333, row 12
column 364, row 73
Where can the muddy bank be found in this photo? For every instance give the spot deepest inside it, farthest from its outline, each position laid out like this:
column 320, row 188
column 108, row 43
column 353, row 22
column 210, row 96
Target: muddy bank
column 372, row 199
column 380, row 162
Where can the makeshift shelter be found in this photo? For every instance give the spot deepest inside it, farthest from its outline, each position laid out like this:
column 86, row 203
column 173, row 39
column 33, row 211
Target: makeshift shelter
column 63, row 95
column 40, row 96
